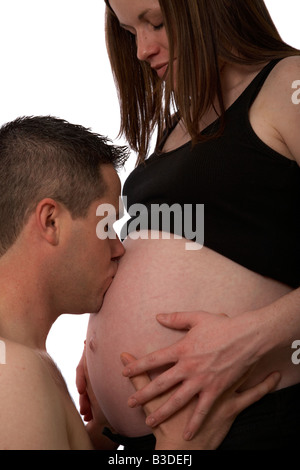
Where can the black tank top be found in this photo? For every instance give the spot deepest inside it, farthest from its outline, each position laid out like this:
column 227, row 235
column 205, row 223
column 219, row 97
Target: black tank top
column 251, row 193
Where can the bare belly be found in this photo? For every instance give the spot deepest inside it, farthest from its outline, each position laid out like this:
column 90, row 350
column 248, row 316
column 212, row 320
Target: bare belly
column 161, row 276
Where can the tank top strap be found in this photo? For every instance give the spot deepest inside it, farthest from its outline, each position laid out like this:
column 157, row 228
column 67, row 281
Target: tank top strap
column 242, row 104
column 251, row 92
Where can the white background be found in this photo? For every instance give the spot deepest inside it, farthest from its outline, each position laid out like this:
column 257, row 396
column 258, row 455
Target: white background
column 53, row 62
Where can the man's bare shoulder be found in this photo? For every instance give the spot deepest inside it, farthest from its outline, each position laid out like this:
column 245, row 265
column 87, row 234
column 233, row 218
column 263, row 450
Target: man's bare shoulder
column 22, row 365
column 32, row 413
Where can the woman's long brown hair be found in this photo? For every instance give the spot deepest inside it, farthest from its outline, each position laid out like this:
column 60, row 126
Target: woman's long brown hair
column 204, row 33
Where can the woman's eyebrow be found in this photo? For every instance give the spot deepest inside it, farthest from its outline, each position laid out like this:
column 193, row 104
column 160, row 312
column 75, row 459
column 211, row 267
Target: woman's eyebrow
column 140, row 17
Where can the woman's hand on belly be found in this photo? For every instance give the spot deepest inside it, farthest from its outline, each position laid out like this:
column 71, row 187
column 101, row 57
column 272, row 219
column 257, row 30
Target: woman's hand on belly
column 203, row 364
column 215, row 353
column 217, row 422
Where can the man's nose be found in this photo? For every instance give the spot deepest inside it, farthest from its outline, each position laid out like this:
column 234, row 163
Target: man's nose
column 146, row 46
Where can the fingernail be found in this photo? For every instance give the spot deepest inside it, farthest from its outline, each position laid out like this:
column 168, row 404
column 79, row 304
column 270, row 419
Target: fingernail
column 124, row 360
column 126, row 372
column 132, row 403
column 162, row 316
column 188, row 436
column 277, row 376
column 150, row 422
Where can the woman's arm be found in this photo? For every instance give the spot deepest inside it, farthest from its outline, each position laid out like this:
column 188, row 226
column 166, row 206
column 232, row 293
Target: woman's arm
column 214, row 354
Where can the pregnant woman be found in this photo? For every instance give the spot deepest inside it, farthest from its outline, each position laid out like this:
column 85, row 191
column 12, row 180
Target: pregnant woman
column 233, row 145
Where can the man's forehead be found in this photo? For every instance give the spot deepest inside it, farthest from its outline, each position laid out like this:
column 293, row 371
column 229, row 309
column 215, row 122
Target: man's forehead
column 111, row 180
column 109, row 172
column 112, row 195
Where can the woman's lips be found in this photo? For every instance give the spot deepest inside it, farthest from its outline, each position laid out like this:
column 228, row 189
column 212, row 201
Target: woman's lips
column 161, row 70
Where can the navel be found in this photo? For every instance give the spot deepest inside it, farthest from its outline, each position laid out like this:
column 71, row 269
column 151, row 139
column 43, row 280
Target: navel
column 92, row 342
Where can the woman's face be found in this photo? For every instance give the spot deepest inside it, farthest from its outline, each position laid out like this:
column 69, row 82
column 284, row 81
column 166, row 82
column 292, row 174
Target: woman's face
column 143, row 19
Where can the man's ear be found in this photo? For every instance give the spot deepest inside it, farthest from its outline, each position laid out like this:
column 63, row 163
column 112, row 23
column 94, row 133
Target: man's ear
column 47, row 216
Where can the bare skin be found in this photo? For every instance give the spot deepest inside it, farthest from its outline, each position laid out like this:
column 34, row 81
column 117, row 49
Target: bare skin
column 34, row 391
column 211, row 283
column 168, row 435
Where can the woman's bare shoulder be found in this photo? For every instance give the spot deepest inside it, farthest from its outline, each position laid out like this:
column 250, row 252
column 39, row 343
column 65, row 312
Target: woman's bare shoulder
column 284, row 75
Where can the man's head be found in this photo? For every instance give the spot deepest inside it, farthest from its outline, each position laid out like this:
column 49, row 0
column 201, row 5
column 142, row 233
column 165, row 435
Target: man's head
column 46, row 157
column 53, row 177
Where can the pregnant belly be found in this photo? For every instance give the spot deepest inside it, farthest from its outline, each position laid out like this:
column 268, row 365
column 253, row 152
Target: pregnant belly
column 161, row 276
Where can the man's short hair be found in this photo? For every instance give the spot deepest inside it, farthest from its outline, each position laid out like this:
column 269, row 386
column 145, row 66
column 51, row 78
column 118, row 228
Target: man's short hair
column 43, row 157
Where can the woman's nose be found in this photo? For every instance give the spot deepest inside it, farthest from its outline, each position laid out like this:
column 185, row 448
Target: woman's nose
column 147, row 47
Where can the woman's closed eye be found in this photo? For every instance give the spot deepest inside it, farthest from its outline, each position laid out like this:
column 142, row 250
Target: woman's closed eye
column 158, row 27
